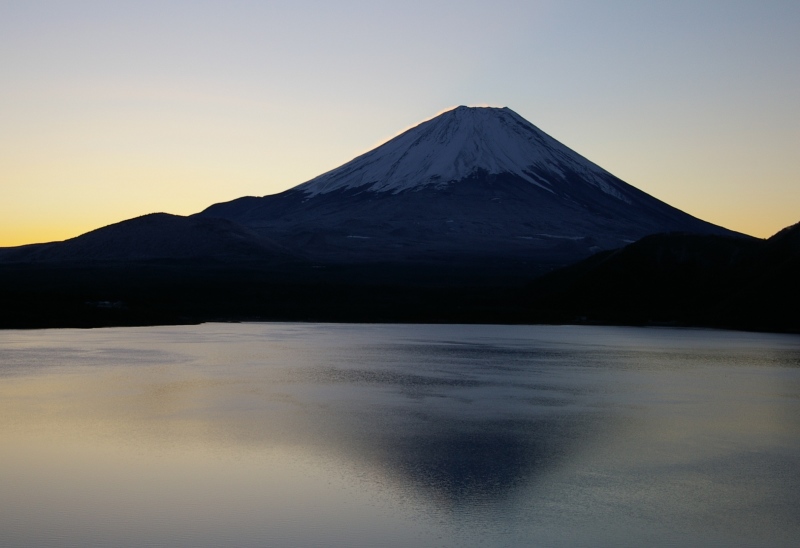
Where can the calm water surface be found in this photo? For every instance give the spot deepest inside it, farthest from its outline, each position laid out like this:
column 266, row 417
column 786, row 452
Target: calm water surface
column 398, row 435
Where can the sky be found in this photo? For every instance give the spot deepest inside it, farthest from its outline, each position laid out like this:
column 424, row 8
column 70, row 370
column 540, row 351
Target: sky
column 111, row 110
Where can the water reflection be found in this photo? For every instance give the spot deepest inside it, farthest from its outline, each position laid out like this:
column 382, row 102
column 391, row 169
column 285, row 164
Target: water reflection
column 461, row 465
column 437, row 435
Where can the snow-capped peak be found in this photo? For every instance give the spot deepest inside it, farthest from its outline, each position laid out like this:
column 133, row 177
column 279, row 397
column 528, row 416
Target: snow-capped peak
column 457, row 144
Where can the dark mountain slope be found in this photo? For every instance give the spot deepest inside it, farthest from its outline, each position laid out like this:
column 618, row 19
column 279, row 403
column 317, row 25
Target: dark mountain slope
column 154, row 236
column 682, row 279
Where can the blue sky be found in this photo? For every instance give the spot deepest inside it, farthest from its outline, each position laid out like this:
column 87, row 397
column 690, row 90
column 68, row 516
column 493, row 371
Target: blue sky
column 109, row 110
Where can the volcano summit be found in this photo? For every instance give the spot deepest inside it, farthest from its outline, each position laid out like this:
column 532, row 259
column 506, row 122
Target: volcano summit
column 473, row 183
column 449, row 221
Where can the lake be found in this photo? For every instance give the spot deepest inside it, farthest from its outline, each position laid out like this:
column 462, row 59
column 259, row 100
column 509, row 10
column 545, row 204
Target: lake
column 394, row 435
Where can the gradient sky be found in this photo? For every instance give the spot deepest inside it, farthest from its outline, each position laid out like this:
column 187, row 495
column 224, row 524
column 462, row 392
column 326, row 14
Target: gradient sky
column 110, row 110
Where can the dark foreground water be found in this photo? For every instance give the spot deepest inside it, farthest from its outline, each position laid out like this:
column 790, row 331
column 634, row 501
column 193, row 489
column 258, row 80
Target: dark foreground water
column 398, row 435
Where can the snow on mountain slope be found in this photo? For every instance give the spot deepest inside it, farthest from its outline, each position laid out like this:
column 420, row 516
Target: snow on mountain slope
column 456, row 145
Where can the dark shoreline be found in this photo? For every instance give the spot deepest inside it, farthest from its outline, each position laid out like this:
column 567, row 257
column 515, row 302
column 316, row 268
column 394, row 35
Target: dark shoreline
column 666, row 279
column 120, row 295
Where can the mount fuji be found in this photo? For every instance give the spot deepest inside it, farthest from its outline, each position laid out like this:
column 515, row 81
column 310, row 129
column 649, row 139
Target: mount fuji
column 473, row 183
column 450, row 221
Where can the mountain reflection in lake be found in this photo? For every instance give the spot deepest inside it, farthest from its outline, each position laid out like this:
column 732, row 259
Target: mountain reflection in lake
column 389, row 435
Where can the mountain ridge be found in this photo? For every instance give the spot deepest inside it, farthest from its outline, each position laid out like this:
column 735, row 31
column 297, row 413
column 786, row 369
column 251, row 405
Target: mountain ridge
column 153, row 236
column 469, row 185
column 478, row 182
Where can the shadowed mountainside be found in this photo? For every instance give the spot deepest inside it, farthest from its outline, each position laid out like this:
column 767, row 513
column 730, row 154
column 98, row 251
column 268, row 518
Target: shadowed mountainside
column 681, row 279
column 153, row 236
column 670, row 279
